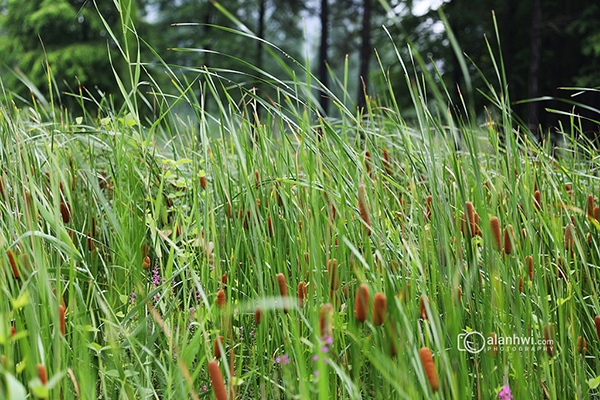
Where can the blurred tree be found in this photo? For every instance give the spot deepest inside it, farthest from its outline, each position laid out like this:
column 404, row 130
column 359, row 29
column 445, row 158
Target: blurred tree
column 67, row 36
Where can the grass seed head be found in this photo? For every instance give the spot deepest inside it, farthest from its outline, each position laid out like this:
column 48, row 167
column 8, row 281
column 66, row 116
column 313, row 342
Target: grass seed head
column 361, row 303
column 429, row 367
column 379, row 308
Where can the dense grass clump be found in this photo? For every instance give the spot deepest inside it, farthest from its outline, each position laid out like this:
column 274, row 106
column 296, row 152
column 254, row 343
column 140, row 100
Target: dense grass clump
column 161, row 259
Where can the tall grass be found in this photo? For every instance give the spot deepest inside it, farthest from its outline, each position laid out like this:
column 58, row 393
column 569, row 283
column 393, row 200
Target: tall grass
column 159, row 259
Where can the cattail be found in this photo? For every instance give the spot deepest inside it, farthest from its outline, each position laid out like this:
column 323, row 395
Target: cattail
column 41, row 371
column 495, row 228
column 334, row 280
column 581, row 345
column 537, row 200
column 217, row 380
column 471, row 218
column 508, row 241
column 217, row 347
column 520, row 285
column 494, row 342
column 569, row 239
column 224, row 281
column 202, row 181
column 13, row 331
column 596, row 213
column 270, row 230
column 549, row 339
column 283, row 291
column 459, row 294
column 326, row 321
column 363, row 209
column 368, row 162
column 379, row 308
column 3, row 361
column 13, row 264
column 146, row 262
column 590, row 206
column 386, row 161
column 302, row 294
column 529, row 263
column 361, row 303
column 221, row 298
column 429, row 367
column 428, row 207
column 597, row 323
column 61, row 318
column 258, row 314
column 423, row 302
column 65, row 212
column 559, row 268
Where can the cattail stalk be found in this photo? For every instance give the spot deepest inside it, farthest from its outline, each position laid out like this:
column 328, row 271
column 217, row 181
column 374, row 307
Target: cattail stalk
column 363, row 208
column 429, row 367
column 283, row 291
column 216, row 378
column 361, row 303
column 379, row 308
column 496, row 232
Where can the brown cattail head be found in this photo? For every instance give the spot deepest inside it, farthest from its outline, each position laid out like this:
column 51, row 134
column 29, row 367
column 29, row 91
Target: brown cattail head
column 386, row 161
column 520, row 285
column 596, row 213
column 428, row 201
column 41, row 371
column 363, row 208
column 270, row 230
column 13, row 331
column 529, row 264
column 203, row 181
column 221, row 299
column 302, row 293
column 423, row 303
column 326, row 321
column 216, row 379
column 569, row 237
column 65, row 212
column 597, row 323
column 218, row 344
column 509, row 234
column 495, row 228
column 581, row 345
column 61, row 319
column 429, row 367
column 470, row 215
column 146, row 262
column 549, row 338
column 332, row 275
column 283, row 291
column 590, row 206
column 379, row 308
column 361, row 303
column 368, row 163
column 258, row 314
column 459, row 293
column 494, row 342
column 537, row 200
column 13, row 264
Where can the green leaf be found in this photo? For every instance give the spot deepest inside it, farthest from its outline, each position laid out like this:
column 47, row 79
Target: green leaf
column 593, row 383
column 14, row 389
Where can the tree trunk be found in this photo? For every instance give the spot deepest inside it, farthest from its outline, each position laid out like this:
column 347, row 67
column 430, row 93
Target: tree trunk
column 365, row 54
column 534, row 66
column 323, row 50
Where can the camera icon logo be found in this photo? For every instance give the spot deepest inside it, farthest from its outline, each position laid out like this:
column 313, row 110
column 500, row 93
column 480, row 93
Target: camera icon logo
column 472, row 342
